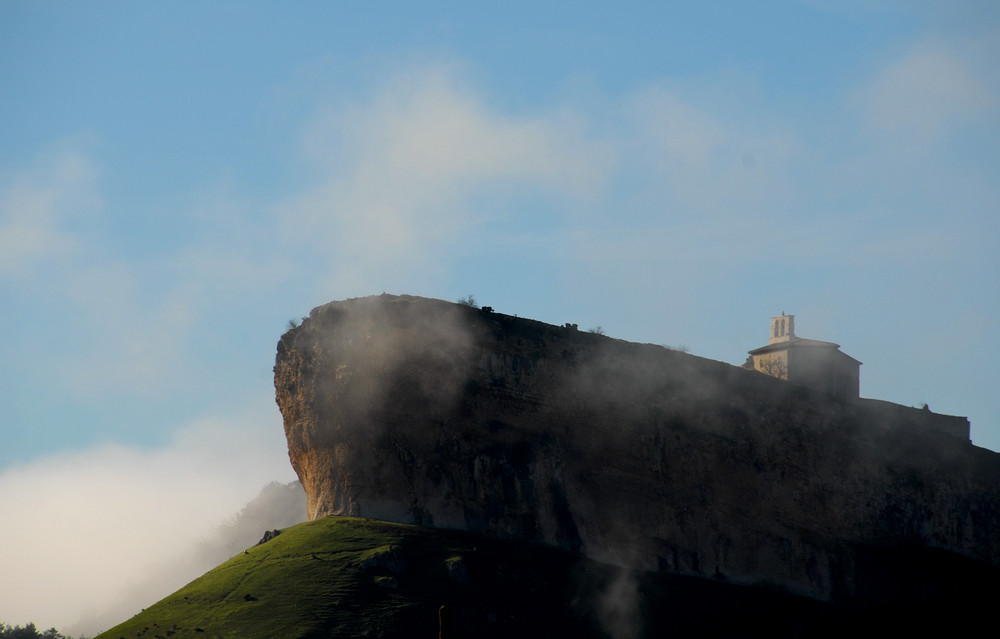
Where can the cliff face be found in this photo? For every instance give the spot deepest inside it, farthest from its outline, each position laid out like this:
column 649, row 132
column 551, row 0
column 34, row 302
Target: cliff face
column 421, row 411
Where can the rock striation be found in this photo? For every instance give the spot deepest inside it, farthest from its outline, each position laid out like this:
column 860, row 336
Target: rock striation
column 422, row 411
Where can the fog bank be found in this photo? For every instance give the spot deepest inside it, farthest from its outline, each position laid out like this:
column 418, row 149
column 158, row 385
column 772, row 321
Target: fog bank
column 86, row 527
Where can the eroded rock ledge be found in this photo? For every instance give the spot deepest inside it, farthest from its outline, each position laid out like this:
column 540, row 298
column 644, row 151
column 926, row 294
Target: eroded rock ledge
column 423, row 411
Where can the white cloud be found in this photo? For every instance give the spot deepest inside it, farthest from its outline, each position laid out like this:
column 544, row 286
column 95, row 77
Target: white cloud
column 928, row 92
column 406, row 172
column 428, row 131
column 81, row 526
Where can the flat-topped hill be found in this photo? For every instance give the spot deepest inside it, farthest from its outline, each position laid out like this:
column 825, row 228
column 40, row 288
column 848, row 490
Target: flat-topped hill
column 442, row 415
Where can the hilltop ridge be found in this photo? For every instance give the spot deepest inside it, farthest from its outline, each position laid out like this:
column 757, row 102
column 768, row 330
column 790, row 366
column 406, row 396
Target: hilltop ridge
column 422, row 411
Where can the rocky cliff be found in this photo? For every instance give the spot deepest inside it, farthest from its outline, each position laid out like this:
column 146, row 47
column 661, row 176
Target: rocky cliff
column 422, row 411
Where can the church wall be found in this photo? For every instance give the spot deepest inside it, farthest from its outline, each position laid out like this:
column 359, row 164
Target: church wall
column 824, row 369
column 774, row 364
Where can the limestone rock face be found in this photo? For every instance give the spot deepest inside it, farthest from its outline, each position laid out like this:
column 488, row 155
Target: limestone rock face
column 422, row 411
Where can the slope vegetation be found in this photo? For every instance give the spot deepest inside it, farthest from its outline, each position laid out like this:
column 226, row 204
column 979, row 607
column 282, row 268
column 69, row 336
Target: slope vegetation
column 347, row 577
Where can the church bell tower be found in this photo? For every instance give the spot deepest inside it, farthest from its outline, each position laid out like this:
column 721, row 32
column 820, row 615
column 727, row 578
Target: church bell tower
column 782, row 328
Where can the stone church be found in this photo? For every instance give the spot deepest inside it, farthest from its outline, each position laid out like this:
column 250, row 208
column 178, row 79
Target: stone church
column 818, row 365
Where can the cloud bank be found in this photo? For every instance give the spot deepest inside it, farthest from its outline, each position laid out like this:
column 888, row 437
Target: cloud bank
column 84, row 527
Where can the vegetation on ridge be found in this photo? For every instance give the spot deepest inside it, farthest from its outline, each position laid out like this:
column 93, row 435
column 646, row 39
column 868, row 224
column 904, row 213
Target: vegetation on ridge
column 347, row 577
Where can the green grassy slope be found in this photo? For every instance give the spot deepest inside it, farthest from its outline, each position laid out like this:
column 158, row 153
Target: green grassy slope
column 344, row 577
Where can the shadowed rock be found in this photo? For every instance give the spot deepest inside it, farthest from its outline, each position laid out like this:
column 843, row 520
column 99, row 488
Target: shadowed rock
column 443, row 415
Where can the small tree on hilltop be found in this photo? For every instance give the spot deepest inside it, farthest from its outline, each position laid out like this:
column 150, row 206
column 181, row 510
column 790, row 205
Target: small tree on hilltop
column 29, row 631
column 775, row 367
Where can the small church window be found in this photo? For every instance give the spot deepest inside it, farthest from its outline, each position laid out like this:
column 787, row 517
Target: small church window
column 782, row 327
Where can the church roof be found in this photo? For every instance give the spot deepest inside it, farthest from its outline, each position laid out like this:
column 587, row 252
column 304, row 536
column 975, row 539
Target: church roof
column 796, row 342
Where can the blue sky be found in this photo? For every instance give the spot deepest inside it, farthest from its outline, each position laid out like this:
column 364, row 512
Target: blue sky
column 179, row 179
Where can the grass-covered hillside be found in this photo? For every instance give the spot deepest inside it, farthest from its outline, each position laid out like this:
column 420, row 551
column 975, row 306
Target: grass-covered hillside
column 344, row 577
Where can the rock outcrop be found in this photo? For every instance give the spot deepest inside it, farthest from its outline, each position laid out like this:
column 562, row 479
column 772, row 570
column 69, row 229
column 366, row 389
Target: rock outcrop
column 422, row 411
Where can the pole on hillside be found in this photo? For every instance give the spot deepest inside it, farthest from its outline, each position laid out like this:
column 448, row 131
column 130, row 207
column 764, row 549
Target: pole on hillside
column 444, row 623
